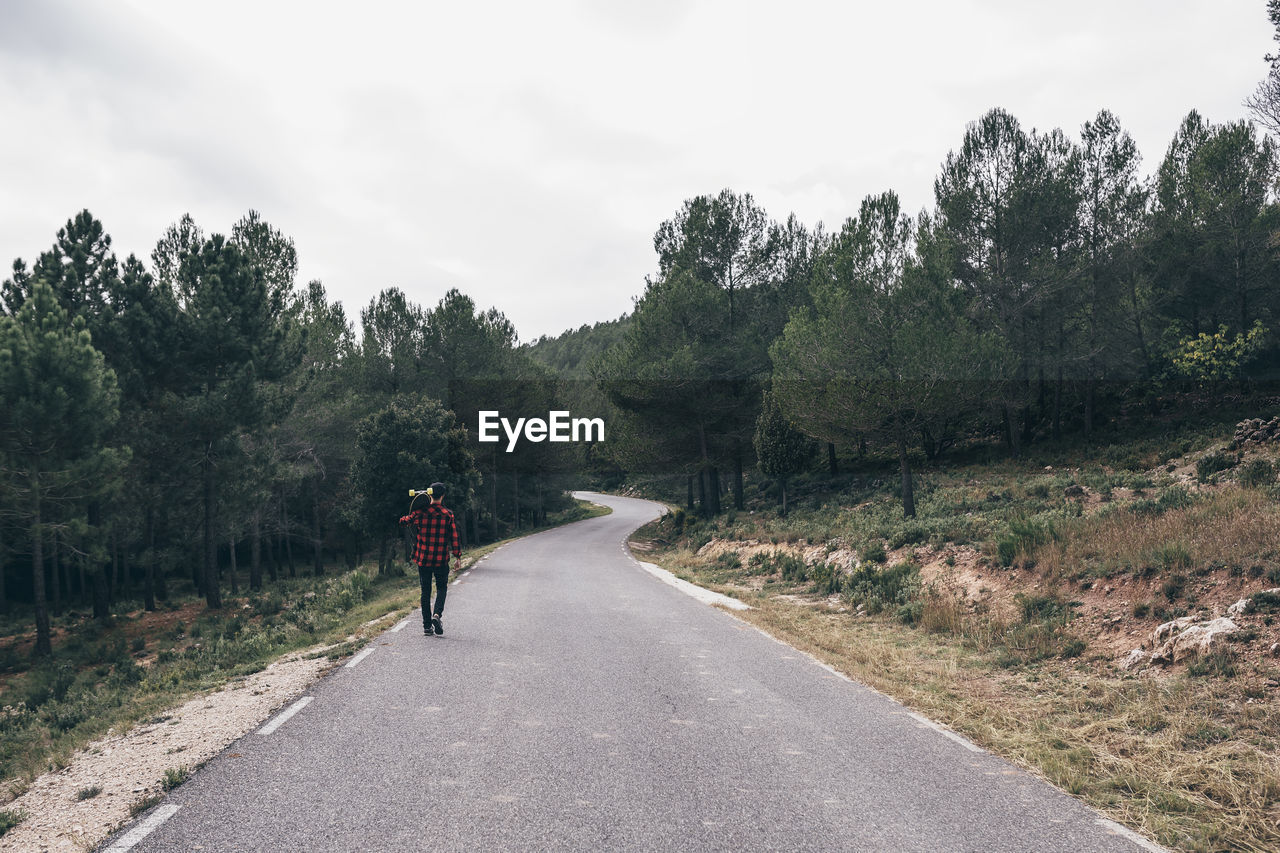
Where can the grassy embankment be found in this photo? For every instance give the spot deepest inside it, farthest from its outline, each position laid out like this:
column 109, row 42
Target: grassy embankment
column 1002, row 609
column 103, row 678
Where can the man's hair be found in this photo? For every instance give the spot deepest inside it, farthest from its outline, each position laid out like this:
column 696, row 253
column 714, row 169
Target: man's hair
column 437, row 491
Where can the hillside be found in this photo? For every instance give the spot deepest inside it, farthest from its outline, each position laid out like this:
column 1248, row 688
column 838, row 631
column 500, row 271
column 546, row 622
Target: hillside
column 1036, row 605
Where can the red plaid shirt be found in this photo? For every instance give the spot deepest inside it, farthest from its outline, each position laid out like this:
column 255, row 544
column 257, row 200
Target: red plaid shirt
column 437, row 535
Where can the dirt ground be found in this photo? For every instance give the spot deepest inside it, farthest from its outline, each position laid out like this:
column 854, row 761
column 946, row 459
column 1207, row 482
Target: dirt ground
column 129, row 767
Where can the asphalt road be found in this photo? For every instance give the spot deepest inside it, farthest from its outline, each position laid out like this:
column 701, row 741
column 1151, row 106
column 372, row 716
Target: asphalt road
column 578, row 703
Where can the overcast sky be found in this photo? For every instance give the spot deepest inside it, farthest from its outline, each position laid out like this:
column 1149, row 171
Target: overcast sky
column 526, row 152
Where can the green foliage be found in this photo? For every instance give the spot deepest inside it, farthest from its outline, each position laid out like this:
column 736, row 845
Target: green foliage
column 873, row 552
column 1216, row 357
column 782, row 450
column 88, row 793
column 1265, row 601
column 406, row 445
column 1024, row 536
column 9, row 818
column 1173, row 586
column 1047, row 607
column 887, row 351
column 827, row 578
column 173, row 777
column 1257, row 473
column 880, row 588
column 729, row 560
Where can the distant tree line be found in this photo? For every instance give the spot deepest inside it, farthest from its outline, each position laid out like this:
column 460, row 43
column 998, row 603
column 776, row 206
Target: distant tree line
column 201, row 422
column 1047, row 281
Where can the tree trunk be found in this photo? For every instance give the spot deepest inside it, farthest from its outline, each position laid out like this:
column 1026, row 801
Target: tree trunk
column 715, row 490
column 212, row 594
column 702, row 492
column 44, row 646
column 56, row 573
column 101, row 595
column 908, row 493
column 273, row 558
column 117, row 568
column 316, row 534
column 286, row 540
column 690, row 505
column 1011, row 432
column 149, row 563
column 235, row 571
column 739, row 502
column 515, row 499
column 783, row 484
column 493, row 499
column 832, row 466
column 4, row 598
column 1088, row 408
column 255, row 552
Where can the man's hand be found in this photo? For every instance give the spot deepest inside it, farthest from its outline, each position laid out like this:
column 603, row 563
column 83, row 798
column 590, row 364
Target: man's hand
column 457, row 564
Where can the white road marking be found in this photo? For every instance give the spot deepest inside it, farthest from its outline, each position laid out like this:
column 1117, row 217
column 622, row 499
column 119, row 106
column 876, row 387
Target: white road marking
column 143, row 829
column 400, row 626
column 943, row 730
column 288, row 712
column 706, row 596
column 1124, row 831
column 355, row 660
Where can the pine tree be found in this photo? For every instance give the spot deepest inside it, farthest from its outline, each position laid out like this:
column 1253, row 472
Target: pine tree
column 60, row 403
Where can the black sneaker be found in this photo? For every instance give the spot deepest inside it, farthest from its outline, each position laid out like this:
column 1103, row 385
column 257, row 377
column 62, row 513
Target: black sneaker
column 438, row 624
column 426, row 629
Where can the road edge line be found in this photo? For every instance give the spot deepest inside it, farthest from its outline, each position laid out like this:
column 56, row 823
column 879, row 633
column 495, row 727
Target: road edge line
column 129, row 840
column 282, row 717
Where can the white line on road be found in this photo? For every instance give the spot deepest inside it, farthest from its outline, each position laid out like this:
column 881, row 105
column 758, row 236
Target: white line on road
column 289, row 712
column 143, row 829
column 401, row 625
column 459, row 578
column 355, row 660
column 943, row 730
column 1116, row 829
column 706, row 596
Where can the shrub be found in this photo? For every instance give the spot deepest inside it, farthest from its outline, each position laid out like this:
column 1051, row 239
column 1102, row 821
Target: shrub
column 1073, row 648
column 1221, row 663
column 10, row 818
column 826, row 578
column 1043, row 608
column 1265, row 602
column 1024, row 536
column 1257, row 472
column 790, row 566
column 1173, row 586
column 878, row 589
column 173, row 777
column 1212, row 463
column 729, row 560
column 88, row 793
column 873, row 552
column 145, row 803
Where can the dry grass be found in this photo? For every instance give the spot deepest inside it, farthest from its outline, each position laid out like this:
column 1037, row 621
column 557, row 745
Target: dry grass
column 1192, row 762
column 1231, row 526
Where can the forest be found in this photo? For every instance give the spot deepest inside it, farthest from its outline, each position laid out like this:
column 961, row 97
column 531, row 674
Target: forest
column 199, row 420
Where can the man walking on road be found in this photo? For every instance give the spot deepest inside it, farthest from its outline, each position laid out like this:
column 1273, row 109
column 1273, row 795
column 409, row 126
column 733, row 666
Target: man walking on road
column 436, row 539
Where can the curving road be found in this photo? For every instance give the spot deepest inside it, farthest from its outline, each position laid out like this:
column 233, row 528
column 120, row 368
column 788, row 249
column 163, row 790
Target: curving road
column 578, row 703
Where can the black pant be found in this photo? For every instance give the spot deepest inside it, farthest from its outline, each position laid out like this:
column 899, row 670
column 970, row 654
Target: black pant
column 441, row 574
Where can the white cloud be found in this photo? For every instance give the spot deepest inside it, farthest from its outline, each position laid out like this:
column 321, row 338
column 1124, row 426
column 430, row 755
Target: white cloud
column 526, row 152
